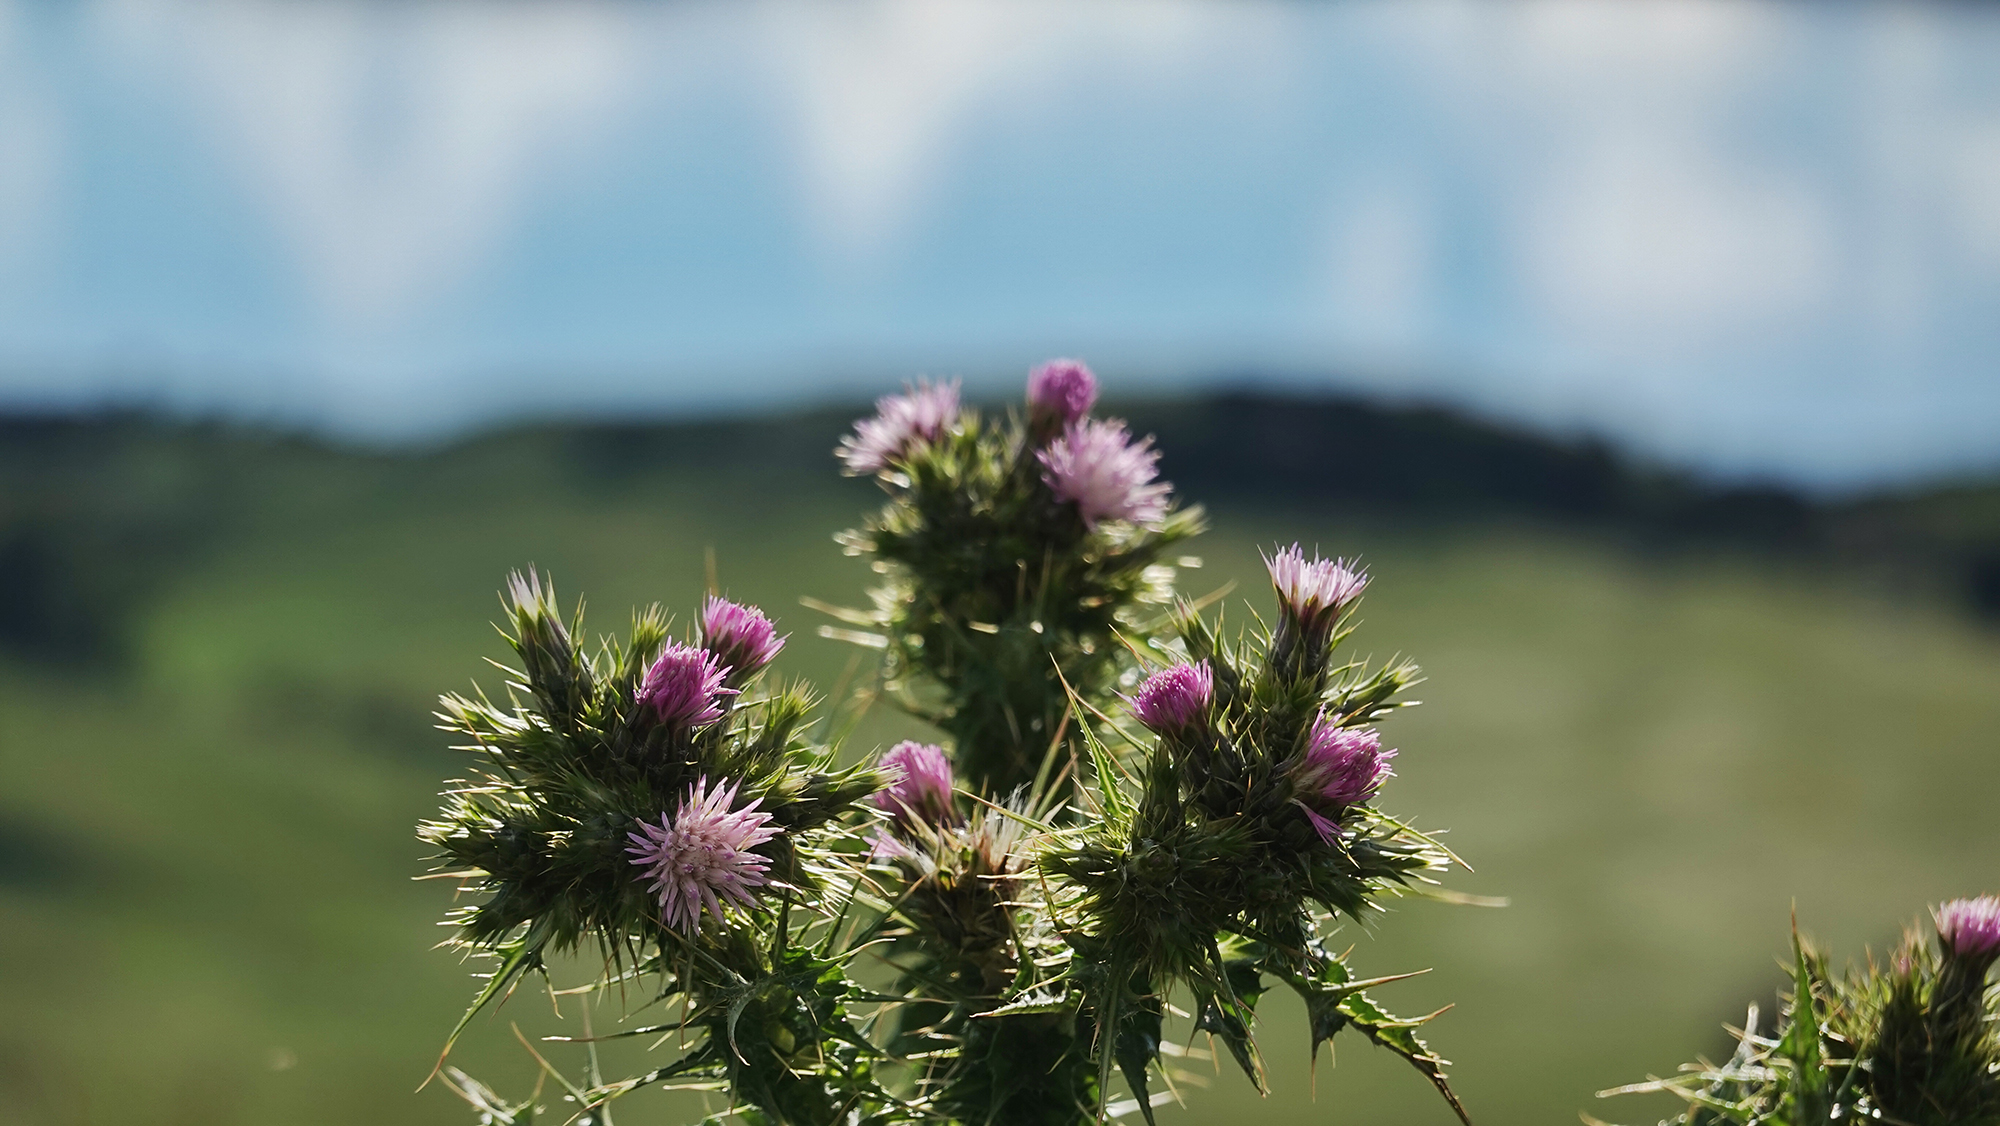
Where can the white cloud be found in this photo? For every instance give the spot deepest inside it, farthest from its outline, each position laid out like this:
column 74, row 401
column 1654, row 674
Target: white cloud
column 1659, row 240
column 1382, row 289
column 31, row 140
column 881, row 91
column 391, row 144
column 1975, row 183
column 1686, row 45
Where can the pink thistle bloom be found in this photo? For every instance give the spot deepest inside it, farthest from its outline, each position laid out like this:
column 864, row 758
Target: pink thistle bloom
column 684, row 687
column 921, row 414
column 1175, row 699
column 741, row 637
column 1342, row 767
column 701, row 856
column 1314, row 593
column 1970, row 928
column 1061, row 392
column 1109, row 477
column 922, row 789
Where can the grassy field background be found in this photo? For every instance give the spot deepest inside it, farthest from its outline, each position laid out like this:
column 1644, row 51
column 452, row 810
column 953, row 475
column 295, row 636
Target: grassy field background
column 207, row 916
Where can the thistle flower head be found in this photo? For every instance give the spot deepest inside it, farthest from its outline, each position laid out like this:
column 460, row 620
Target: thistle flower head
column 684, row 687
column 1175, row 699
column 1313, row 593
column 1341, row 767
column 1097, row 465
column 922, row 413
column 1970, row 928
column 922, row 789
column 701, row 855
column 741, row 637
column 1060, row 392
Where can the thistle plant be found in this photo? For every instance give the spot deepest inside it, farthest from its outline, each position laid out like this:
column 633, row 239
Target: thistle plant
column 1126, row 811
column 1909, row 1043
column 648, row 803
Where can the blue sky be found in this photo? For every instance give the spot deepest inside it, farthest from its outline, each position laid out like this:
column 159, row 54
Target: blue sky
column 1758, row 238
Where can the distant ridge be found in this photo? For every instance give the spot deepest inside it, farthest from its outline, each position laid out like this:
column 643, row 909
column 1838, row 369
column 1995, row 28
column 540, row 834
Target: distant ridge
column 95, row 508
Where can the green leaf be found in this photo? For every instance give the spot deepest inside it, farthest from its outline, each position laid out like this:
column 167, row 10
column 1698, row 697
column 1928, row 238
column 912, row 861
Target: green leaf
column 1118, row 809
column 1138, row 1045
column 516, row 959
column 1811, row 1096
column 1394, row 1033
column 1031, row 1003
column 1228, row 1001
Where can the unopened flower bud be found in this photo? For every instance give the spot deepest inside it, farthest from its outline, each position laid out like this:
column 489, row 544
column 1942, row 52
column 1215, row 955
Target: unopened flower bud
column 1060, row 392
column 558, row 676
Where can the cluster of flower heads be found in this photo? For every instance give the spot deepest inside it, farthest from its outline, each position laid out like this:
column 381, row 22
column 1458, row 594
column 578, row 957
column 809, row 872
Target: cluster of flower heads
column 688, row 685
column 700, row 855
column 1340, row 768
column 1092, row 463
column 689, row 804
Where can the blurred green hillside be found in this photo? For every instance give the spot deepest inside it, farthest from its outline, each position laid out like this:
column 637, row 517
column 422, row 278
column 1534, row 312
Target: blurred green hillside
column 1658, row 715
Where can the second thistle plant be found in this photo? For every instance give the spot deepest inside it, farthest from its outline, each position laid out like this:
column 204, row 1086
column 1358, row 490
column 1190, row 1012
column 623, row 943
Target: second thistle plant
column 1910, row 1043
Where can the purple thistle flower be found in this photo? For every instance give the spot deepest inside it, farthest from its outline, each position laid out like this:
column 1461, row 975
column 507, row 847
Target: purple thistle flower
column 741, row 637
column 1313, row 593
column 1175, row 699
column 922, row 788
column 1109, row 477
column 921, row 414
column 1060, row 392
column 1341, row 767
column 684, row 687
column 1970, row 928
column 702, row 855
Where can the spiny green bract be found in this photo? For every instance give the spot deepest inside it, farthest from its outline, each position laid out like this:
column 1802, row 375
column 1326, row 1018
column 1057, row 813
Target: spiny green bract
column 1910, row 1043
